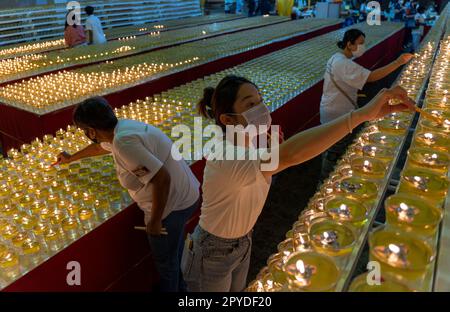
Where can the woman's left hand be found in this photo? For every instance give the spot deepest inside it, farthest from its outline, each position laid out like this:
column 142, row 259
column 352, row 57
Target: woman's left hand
column 405, row 58
column 381, row 105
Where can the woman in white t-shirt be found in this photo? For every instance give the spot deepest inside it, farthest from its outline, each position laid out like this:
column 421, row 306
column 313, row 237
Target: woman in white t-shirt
column 342, row 80
column 234, row 191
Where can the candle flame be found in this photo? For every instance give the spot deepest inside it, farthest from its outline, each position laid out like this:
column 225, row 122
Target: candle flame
column 343, row 207
column 428, row 135
column 302, row 240
column 404, row 206
column 366, row 163
column 300, row 266
column 394, row 248
column 434, row 156
column 417, row 179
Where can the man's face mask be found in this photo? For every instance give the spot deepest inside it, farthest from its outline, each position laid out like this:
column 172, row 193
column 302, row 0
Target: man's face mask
column 94, row 140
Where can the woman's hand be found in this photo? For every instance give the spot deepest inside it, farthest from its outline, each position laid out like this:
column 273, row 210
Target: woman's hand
column 381, row 104
column 63, row 158
column 405, row 58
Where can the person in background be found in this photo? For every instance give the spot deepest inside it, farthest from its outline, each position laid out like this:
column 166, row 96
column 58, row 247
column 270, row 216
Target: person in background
column 252, row 6
column 295, row 12
column 363, row 12
column 410, row 24
column 417, row 33
column 73, row 32
column 264, row 6
column 164, row 188
column 94, row 30
column 342, row 80
column 234, row 191
column 399, row 11
column 228, row 4
column 239, row 6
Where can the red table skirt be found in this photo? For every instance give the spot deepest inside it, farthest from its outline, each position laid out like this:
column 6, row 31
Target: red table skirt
column 19, row 126
column 115, row 257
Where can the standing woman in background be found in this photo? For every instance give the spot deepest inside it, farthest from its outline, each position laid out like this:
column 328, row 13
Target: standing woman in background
column 234, row 191
column 343, row 78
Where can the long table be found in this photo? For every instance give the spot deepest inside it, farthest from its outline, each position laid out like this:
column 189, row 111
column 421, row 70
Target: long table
column 13, row 133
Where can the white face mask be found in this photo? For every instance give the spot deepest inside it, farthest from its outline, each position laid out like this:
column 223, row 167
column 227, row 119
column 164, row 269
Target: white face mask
column 258, row 115
column 360, row 50
column 106, row 146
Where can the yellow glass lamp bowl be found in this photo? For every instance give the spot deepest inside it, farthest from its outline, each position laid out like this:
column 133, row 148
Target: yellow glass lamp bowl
column 404, row 116
column 8, row 260
column 433, row 140
column 269, row 284
column 428, row 158
column 399, row 253
column 439, row 112
column 380, row 152
column 331, row 237
column 275, row 267
column 9, row 231
column 27, row 222
column 70, row 226
column 393, row 126
column 311, row 271
column 387, row 284
column 430, row 125
column 255, row 286
column 345, row 209
column 424, row 182
column 412, row 214
column 356, row 188
column 30, row 247
column 384, row 139
column 368, row 167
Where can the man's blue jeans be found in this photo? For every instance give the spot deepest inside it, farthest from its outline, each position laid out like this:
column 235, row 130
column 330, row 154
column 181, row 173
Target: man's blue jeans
column 168, row 249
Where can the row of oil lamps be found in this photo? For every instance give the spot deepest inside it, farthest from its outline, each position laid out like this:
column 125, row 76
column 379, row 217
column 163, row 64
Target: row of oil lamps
column 319, row 246
column 118, row 32
column 24, row 66
column 51, row 92
column 43, row 209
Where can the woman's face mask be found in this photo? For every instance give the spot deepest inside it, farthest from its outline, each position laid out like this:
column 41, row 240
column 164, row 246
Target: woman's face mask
column 257, row 116
column 360, row 50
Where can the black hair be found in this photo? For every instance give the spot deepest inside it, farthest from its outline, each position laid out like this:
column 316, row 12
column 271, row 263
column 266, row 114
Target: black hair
column 220, row 100
column 95, row 113
column 350, row 36
column 89, row 10
column 74, row 25
column 421, row 10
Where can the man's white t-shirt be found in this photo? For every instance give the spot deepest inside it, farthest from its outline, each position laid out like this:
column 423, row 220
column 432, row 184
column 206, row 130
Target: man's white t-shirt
column 93, row 23
column 139, row 151
column 350, row 77
column 234, row 193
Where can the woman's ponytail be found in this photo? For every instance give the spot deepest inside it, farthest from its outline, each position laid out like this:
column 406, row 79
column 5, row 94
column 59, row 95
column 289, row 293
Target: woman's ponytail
column 205, row 104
